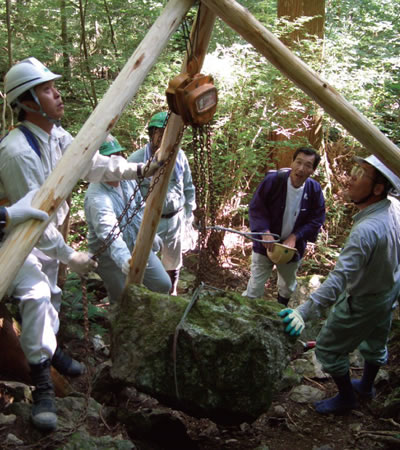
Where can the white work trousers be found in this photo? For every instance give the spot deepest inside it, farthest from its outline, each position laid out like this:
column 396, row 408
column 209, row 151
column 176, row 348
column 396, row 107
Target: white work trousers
column 261, row 269
column 35, row 286
column 170, row 231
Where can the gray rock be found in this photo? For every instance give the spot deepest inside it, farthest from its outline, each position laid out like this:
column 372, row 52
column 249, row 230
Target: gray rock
column 19, row 391
column 7, row 419
column 278, row 411
column 13, row 440
column 306, row 394
column 230, row 352
column 309, row 366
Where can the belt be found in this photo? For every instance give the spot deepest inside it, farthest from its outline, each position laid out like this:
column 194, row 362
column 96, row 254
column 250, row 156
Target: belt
column 168, row 216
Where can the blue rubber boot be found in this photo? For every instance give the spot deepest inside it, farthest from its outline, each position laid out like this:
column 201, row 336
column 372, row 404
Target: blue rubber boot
column 343, row 402
column 365, row 386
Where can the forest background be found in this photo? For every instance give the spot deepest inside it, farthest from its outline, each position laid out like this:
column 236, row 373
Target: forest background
column 261, row 116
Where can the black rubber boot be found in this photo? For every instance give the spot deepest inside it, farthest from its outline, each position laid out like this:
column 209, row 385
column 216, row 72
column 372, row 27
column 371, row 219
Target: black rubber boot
column 283, row 300
column 174, row 275
column 365, row 386
column 65, row 365
column 44, row 412
column 343, row 402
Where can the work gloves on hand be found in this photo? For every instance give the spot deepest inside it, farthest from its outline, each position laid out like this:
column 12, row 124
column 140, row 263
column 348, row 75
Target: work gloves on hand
column 148, row 169
column 81, row 263
column 294, row 321
column 22, row 211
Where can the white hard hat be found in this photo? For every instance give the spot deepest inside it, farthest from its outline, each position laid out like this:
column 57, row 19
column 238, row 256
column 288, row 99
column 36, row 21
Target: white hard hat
column 25, row 75
column 380, row 167
column 281, row 254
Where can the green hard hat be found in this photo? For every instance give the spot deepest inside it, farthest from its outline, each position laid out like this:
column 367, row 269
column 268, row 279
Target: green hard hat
column 110, row 146
column 158, row 120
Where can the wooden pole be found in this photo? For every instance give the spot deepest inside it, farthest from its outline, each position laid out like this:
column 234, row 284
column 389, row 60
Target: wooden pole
column 77, row 159
column 169, row 144
column 240, row 19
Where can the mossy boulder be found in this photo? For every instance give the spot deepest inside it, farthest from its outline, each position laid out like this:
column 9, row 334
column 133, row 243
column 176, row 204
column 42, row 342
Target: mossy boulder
column 229, row 354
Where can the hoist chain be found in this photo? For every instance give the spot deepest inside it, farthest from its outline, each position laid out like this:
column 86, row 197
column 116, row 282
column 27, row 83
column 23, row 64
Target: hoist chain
column 186, row 37
column 205, row 194
column 113, row 234
column 118, row 229
column 212, row 196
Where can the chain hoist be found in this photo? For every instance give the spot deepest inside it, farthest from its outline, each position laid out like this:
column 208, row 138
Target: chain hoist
column 192, row 95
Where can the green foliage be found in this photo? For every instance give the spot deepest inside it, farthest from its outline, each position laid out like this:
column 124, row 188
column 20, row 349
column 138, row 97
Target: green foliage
column 361, row 59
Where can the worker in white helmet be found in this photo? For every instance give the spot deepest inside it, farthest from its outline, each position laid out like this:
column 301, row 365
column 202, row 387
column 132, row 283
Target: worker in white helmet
column 28, row 155
column 363, row 287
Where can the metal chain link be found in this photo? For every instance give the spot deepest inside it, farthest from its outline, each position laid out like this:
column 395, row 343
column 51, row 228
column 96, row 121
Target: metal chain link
column 118, row 229
column 205, row 192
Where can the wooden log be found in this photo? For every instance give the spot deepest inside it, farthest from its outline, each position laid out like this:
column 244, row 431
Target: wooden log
column 169, row 144
column 76, row 160
column 240, row 19
column 13, row 363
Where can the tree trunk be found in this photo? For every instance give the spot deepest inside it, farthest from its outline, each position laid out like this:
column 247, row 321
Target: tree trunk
column 293, row 9
column 112, row 34
column 306, row 79
column 86, row 65
column 13, row 363
column 65, row 41
column 310, row 126
column 9, row 33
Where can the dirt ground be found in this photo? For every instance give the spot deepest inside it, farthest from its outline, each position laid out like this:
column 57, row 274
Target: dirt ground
column 286, row 426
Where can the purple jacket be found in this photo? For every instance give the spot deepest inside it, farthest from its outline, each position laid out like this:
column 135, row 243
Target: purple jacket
column 268, row 206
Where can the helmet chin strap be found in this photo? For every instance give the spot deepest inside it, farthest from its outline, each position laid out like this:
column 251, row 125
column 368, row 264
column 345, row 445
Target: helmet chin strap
column 56, row 122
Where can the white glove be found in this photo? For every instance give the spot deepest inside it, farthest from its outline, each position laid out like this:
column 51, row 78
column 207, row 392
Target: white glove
column 294, row 320
column 157, row 244
column 126, row 266
column 22, row 211
column 81, row 263
column 150, row 168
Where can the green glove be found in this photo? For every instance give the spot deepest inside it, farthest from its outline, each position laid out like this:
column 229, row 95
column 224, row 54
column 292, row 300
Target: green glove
column 294, row 320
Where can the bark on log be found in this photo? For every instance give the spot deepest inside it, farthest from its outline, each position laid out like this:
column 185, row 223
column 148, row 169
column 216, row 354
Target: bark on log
column 169, row 144
column 240, row 19
column 76, row 160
